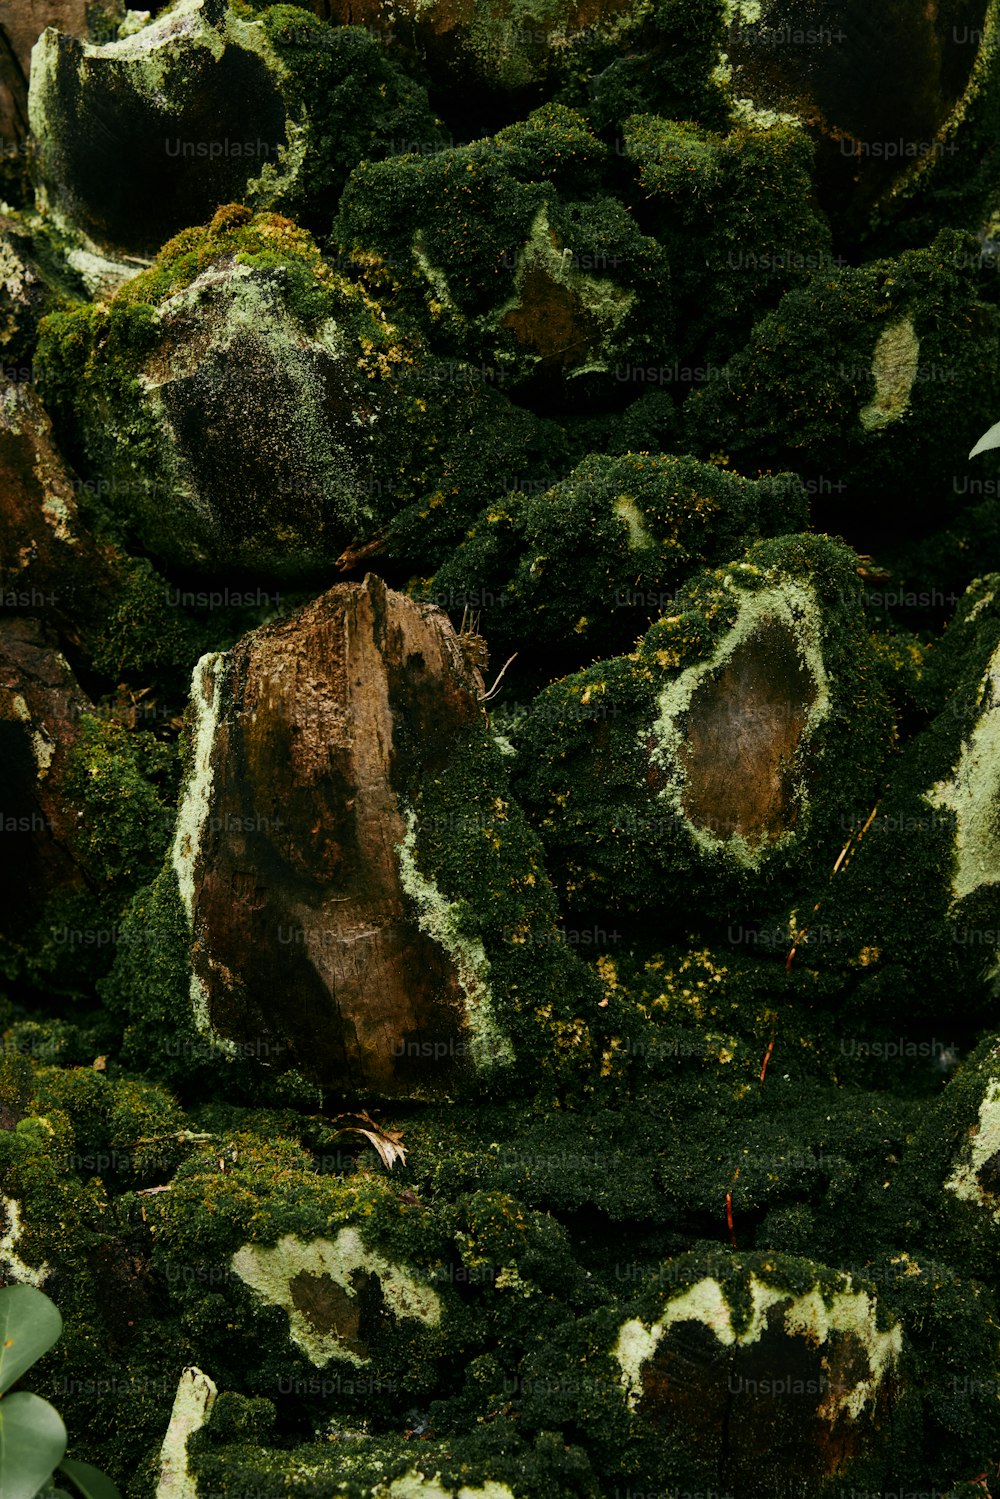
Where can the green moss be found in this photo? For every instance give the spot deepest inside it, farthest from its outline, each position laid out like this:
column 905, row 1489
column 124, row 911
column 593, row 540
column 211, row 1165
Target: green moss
column 474, row 846
column 496, row 260
column 805, row 392
column 469, row 441
column 350, row 102
column 666, row 62
column 147, row 990
column 737, row 216
column 128, row 404
column 914, row 910
column 122, row 782
column 601, row 752
column 494, row 1463
column 602, row 553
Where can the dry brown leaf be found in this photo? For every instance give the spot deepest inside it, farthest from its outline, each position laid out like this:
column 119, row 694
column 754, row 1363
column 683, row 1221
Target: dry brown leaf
column 386, row 1141
column 389, row 1151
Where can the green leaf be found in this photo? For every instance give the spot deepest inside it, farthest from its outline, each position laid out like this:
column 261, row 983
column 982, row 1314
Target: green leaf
column 29, row 1325
column 32, row 1441
column 89, row 1480
column 990, row 439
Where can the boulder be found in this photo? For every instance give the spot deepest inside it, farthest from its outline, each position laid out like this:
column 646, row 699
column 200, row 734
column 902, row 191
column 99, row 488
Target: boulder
column 41, row 705
column 501, row 261
column 291, row 381
column 902, row 104
column 202, row 106
column 20, row 28
column 872, row 382
column 736, row 212
column 775, row 1376
column 84, row 815
column 362, row 902
column 704, row 773
column 912, row 921
column 595, row 558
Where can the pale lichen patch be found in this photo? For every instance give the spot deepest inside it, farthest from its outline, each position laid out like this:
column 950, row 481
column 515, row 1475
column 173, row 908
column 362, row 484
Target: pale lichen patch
column 629, row 513
column 102, row 277
column 441, row 919
column 42, row 744
column 192, row 1405
column 192, row 815
column 894, row 367
column 812, row 1316
column 276, row 1273
column 436, row 277
column 196, row 801
column 972, row 793
column 14, row 1267
column 414, row 1485
column 964, row 1180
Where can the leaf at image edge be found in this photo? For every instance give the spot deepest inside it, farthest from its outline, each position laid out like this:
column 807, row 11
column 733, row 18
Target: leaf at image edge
column 990, row 439
column 29, row 1325
column 91, row 1482
column 32, row 1442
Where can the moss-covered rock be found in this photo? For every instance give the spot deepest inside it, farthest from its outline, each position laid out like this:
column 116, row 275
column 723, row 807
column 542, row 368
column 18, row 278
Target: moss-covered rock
column 710, row 1377
column 204, row 105
column 65, row 1231
column 602, row 553
column 950, row 1187
column 293, row 377
column 877, row 378
column 902, row 104
column 55, row 566
column 737, row 215
column 448, row 954
column 88, row 816
column 494, row 1463
column 913, row 913
column 33, row 281
column 612, row 58
column 499, row 257
column 737, row 726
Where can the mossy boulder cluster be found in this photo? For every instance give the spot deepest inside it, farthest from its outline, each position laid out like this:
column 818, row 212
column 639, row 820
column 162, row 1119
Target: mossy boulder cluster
column 499, row 669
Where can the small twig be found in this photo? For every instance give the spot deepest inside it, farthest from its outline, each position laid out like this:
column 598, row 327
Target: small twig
column 487, row 697
column 358, row 552
column 843, row 859
column 729, row 1211
column 767, row 1058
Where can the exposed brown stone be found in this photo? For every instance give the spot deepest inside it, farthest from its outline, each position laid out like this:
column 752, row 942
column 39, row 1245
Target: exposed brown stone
column 768, row 1415
column 744, row 726
column 305, row 939
column 552, row 320
column 50, row 564
column 40, row 709
column 328, row 1307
